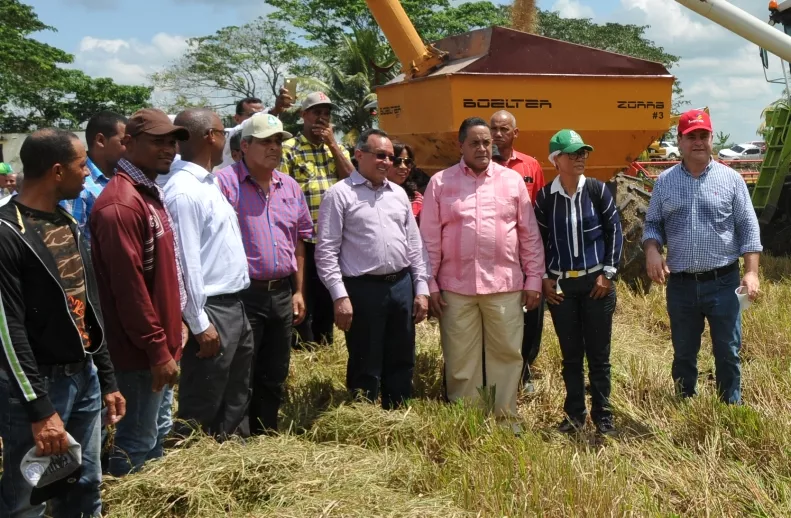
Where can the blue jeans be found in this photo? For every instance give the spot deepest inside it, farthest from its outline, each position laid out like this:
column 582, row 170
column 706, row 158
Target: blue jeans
column 78, row 401
column 139, row 436
column 689, row 302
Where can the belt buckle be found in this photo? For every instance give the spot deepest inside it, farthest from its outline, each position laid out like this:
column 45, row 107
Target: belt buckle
column 390, row 278
column 269, row 284
column 573, row 274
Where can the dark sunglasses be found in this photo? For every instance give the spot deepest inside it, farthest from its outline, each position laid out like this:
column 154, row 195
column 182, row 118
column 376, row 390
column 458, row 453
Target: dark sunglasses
column 582, row 153
column 397, row 161
column 383, row 156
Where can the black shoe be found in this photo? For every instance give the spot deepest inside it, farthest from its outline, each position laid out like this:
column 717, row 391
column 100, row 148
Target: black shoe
column 569, row 425
column 605, row 426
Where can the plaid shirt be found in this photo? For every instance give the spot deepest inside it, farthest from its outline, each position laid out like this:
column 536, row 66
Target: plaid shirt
column 313, row 167
column 80, row 207
column 270, row 222
column 706, row 222
column 138, row 176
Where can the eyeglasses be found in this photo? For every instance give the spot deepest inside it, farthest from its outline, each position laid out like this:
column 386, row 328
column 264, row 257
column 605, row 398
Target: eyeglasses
column 582, row 153
column 397, row 161
column 383, row 156
column 211, row 131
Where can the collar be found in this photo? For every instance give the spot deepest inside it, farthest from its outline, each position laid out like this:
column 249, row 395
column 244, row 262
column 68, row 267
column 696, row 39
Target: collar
column 191, row 167
column 136, row 174
column 466, row 169
column 302, row 139
column 96, row 174
column 557, row 187
column 706, row 170
column 244, row 173
column 357, row 179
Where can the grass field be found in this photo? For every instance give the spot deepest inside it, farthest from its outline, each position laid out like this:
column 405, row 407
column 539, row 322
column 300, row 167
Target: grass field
column 672, row 458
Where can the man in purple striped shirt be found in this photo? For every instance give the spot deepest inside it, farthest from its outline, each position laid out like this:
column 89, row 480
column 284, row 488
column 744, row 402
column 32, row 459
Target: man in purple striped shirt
column 370, row 257
column 274, row 221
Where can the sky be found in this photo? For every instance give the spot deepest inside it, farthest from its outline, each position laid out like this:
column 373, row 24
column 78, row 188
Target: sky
column 128, row 41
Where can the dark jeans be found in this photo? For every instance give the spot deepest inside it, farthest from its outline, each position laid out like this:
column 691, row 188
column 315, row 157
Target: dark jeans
column 271, row 318
column 78, row 401
column 531, row 341
column 319, row 309
column 584, row 329
column 215, row 392
column 689, row 303
column 381, row 340
column 140, row 435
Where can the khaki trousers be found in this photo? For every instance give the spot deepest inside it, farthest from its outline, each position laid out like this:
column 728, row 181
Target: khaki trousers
column 482, row 345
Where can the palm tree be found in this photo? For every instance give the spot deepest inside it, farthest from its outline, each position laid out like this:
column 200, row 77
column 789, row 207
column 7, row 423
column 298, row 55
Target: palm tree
column 765, row 128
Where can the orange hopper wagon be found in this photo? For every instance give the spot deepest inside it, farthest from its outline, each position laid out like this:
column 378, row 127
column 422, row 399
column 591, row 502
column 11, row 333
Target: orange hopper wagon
column 618, row 103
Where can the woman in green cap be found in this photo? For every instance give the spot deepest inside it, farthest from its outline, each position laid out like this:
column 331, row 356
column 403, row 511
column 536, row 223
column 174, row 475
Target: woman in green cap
column 582, row 237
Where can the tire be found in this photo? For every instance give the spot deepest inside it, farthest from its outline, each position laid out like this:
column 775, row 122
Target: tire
column 632, row 201
column 672, row 156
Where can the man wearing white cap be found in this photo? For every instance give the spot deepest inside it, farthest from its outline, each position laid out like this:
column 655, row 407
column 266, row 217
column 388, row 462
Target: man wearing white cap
column 316, row 160
column 274, row 221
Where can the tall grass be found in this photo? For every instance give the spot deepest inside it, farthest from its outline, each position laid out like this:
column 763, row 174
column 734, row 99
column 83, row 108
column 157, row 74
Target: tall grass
column 672, row 458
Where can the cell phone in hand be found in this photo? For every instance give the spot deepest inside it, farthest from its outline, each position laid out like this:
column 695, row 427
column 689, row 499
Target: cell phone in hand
column 291, row 86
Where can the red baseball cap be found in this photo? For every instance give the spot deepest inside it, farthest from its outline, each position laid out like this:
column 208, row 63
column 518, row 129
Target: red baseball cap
column 694, row 120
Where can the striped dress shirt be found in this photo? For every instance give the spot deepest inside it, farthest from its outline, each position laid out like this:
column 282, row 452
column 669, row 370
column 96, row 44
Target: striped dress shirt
column 80, row 207
column 480, row 232
column 271, row 222
column 706, row 222
column 576, row 236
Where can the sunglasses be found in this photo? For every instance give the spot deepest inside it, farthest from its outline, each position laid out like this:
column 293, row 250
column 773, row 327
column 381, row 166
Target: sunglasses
column 384, row 156
column 397, row 161
column 582, row 153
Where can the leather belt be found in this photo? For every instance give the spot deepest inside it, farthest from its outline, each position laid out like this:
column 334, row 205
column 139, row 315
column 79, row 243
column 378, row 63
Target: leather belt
column 390, row 278
column 228, row 297
column 573, row 274
column 65, row 369
column 272, row 285
column 709, row 275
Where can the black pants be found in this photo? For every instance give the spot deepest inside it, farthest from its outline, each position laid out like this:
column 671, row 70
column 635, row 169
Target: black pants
column 531, row 341
column 319, row 310
column 271, row 317
column 214, row 392
column 381, row 341
column 584, row 329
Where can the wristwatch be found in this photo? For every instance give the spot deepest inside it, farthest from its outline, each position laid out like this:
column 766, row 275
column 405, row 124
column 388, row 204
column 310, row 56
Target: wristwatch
column 609, row 274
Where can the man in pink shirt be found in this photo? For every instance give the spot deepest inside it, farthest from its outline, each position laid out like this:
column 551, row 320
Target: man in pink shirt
column 487, row 260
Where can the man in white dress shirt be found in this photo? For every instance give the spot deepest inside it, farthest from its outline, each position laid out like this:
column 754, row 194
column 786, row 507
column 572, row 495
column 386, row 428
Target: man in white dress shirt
column 214, row 390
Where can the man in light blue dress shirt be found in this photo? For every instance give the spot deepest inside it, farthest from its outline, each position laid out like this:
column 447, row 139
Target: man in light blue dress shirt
column 701, row 211
column 104, row 134
column 214, row 389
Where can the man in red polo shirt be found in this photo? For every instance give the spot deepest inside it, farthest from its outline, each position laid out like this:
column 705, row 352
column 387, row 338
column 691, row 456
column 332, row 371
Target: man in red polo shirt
column 504, row 132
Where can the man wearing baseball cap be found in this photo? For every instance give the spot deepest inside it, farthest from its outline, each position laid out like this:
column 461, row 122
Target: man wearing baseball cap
column 316, row 161
column 5, row 172
column 274, row 221
column 701, row 211
column 141, row 287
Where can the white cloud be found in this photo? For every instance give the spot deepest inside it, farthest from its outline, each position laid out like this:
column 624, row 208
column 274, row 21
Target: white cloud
column 128, row 61
column 572, row 9
column 718, row 69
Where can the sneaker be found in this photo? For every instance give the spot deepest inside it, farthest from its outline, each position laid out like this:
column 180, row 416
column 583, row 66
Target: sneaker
column 606, row 427
column 528, row 387
column 569, row 425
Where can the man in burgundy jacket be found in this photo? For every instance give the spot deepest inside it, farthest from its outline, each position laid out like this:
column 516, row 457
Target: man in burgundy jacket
column 140, row 286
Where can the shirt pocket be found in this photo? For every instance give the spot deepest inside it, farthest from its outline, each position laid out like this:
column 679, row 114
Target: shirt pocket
column 453, row 208
column 592, row 229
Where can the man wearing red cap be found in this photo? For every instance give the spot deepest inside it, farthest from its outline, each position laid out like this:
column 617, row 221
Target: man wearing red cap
column 701, row 211
column 140, row 285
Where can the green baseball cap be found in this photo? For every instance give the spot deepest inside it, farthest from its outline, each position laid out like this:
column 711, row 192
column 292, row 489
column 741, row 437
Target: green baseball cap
column 567, row 141
column 5, row 169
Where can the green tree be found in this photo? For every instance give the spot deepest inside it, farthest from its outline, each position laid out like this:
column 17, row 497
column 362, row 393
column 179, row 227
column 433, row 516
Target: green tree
column 235, row 62
column 35, row 91
column 722, row 141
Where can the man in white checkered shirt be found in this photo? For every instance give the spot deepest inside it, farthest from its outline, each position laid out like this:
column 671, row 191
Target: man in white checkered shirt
column 701, row 210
